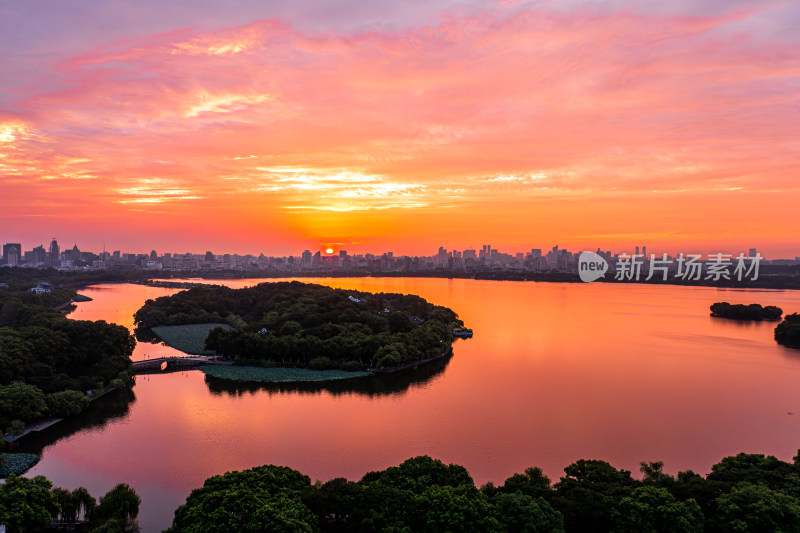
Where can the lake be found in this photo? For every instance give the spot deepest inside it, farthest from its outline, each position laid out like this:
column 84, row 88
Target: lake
column 555, row 373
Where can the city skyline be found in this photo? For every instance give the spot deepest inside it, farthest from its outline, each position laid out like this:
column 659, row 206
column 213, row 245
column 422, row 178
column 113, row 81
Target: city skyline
column 335, row 249
column 548, row 259
column 282, row 128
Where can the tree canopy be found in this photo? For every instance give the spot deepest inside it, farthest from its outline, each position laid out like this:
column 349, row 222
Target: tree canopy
column 746, row 492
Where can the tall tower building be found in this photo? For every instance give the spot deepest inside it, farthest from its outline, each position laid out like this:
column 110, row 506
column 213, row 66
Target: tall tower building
column 54, row 257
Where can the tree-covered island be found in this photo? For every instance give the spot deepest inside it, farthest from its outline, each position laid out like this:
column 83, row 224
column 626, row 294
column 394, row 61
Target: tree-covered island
column 746, row 312
column 309, row 326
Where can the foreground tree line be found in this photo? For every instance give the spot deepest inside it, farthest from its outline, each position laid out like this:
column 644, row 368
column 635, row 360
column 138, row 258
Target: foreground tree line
column 746, row 492
column 302, row 324
column 48, row 361
column 35, row 505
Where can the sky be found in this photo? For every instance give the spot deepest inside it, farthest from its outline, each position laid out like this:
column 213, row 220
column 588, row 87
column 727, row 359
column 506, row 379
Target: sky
column 251, row 126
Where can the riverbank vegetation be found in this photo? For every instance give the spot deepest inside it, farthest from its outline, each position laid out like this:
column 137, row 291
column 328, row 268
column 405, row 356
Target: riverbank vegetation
column 308, row 325
column 48, row 362
column 746, row 492
column 35, row 505
column 746, row 312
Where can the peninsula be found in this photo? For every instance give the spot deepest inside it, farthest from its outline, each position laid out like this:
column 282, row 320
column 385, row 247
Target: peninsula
column 308, row 326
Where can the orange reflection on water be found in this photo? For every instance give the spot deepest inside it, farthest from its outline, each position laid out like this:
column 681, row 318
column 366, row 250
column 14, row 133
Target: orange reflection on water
column 554, row 373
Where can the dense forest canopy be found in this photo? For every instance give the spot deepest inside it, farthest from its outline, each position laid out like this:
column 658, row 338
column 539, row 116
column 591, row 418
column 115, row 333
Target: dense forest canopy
column 310, row 325
column 746, row 492
column 43, row 354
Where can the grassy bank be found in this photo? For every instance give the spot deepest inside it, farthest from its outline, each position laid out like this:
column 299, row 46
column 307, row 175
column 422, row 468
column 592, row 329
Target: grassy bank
column 277, row 375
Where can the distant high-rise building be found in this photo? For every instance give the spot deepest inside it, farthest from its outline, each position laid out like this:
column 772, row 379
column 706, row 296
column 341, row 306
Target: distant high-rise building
column 637, row 250
column 153, row 255
column 209, row 257
column 306, row 259
column 39, row 255
column 54, row 256
column 12, row 253
column 752, row 252
column 644, row 251
column 14, row 247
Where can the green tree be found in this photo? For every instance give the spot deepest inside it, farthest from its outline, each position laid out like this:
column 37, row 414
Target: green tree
column 652, row 509
column 85, row 503
column 752, row 468
column 120, row 504
column 444, row 508
column 27, row 504
column 756, row 507
column 266, row 498
column 68, row 510
column 418, row 473
column 588, row 491
column 66, row 403
column 532, row 483
column 25, row 402
column 519, row 513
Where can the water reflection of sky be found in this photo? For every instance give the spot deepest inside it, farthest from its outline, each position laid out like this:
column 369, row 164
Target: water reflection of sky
column 555, row 372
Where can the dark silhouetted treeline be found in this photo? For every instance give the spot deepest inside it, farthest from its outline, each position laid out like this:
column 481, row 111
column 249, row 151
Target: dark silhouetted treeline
column 746, row 312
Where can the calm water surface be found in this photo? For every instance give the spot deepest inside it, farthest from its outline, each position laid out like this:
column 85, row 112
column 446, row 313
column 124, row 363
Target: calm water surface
column 554, row 373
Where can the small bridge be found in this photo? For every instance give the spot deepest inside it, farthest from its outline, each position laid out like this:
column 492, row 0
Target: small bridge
column 171, row 363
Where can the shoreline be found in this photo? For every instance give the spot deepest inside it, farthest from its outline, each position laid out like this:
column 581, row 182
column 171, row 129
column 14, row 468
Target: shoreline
column 179, row 280
column 369, row 372
column 46, row 423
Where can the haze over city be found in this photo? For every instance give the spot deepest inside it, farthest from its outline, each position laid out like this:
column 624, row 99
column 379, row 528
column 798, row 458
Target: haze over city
column 369, row 126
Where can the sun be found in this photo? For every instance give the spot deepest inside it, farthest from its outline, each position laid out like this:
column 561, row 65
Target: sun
column 329, row 251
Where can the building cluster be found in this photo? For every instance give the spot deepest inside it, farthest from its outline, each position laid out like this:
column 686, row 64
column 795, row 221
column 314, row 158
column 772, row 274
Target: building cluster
column 470, row 260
